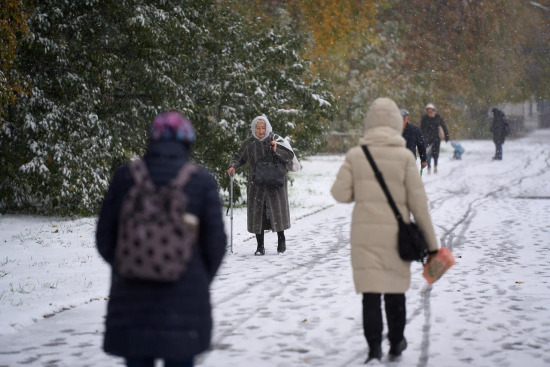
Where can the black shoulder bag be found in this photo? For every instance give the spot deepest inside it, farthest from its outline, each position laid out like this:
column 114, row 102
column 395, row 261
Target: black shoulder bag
column 411, row 243
column 270, row 174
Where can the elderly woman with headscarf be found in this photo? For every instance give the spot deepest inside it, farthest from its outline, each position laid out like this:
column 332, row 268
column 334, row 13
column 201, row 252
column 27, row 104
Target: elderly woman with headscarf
column 377, row 267
column 267, row 207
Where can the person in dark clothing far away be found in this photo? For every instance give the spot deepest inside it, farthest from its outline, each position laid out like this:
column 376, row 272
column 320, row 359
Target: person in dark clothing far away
column 500, row 130
column 430, row 126
column 413, row 138
column 152, row 319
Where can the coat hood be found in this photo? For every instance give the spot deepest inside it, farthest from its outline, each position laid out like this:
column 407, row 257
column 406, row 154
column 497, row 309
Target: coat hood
column 268, row 128
column 383, row 123
column 383, row 112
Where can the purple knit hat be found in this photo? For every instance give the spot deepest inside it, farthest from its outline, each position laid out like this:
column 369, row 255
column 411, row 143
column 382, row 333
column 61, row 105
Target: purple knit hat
column 172, row 125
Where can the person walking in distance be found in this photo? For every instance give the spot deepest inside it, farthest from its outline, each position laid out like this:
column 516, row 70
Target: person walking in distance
column 161, row 213
column 500, row 130
column 413, row 138
column 377, row 267
column 434, row 130
column 267, row 206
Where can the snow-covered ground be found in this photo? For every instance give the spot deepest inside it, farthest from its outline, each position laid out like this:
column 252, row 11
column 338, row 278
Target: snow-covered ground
column 300, row 308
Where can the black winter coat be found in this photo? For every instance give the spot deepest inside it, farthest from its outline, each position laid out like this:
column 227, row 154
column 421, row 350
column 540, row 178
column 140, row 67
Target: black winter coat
column 500, row 127
column 163, row 320
column 429, row 127
column 274, row 199
column 414, row 139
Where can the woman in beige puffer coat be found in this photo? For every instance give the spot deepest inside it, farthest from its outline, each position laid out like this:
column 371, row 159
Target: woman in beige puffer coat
column 377, row 267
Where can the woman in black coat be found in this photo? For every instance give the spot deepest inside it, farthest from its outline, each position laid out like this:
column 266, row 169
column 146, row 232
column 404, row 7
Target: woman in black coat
column 148, row 319
column 500, row 130
column 429, row 125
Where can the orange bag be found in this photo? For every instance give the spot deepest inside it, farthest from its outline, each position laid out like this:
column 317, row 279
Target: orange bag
column 438, row 265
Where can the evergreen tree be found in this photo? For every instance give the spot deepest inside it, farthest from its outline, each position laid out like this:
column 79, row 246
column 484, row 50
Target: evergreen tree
column 258, row 70
column 101, row 71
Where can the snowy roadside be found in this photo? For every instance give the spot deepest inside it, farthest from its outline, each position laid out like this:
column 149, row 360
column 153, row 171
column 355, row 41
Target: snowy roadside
column 49, row 265
column 300, row 309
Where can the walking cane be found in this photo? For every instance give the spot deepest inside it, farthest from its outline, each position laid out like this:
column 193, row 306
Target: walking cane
column 231, row 198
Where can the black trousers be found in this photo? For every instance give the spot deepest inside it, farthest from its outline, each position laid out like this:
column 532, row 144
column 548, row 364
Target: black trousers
column 396, row 316
column 498, row 153
column 434, row 152
column 260, row 237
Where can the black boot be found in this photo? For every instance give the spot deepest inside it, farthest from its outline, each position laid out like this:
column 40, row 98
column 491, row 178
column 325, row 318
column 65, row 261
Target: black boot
column 396, row 314
column 396, row 349
column 372, row 324
column 374, row 353
column 281, row 246
column 260, row 251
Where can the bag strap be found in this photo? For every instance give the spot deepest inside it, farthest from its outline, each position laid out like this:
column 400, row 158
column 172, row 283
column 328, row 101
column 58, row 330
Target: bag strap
column 183, row 176
column 271, row 153
column 140, row 174
column 382, row 183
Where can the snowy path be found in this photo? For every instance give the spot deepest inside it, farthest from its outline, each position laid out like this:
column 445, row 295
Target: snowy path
column 286, row 305
column 300, row 308
column 489, row 310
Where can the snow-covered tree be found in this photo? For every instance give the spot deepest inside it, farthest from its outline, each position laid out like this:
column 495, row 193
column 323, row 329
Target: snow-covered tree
column 101, row 70
column 256, row 70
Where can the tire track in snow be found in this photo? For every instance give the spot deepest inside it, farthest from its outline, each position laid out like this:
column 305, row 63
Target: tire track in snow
column 425, row 343
column 450, row 239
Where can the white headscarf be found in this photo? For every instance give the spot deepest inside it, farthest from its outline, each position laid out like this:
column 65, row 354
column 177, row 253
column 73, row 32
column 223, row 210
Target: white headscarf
column 293, row 166
column 268, row 128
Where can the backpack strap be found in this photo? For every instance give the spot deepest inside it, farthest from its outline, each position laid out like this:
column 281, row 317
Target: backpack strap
column 140, row 174
column 184, row 175
column 382, row 183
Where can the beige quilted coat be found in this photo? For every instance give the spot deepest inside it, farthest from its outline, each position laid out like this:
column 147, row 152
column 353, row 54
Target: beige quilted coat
column 377, row 266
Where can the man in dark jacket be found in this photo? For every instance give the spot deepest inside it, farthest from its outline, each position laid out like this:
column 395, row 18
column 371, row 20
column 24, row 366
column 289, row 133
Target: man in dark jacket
column 429, row 125
column 500, row 130
column 414, row 139
column 147, row 319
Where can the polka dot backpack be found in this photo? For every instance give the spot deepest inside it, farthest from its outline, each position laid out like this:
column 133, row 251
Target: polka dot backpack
column 155, row 233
